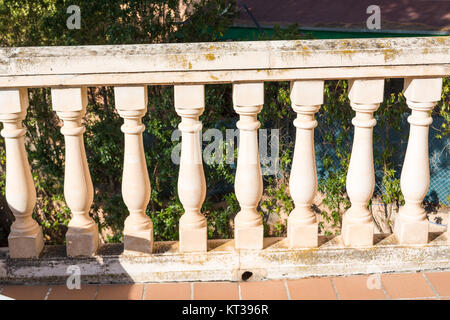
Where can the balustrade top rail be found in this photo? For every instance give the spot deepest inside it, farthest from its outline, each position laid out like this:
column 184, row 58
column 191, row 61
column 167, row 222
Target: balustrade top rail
column 224, row 62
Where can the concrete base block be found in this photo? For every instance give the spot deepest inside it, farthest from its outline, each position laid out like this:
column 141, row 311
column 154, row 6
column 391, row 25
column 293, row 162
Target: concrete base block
column 302, row 236
column 411, row 232
column 26, row 247
column 249, row 237
column 222, row 262
column 82, row 242
column 357, row 234
column 141, row 241
column 193, row 240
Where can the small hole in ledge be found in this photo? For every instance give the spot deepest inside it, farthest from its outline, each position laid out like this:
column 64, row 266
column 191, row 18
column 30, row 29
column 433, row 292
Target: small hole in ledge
column 246, row 275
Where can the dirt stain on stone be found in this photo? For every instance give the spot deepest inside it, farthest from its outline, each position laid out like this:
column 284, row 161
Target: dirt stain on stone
column 210, row 56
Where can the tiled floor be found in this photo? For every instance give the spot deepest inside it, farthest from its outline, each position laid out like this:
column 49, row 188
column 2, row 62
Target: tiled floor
column 423, row 285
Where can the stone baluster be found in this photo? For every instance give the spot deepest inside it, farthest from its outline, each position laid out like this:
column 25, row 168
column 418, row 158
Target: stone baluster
column 131, row 104
column 357, row 225
column 411, row 225
column 25, row 239
column 189, row 104
column 306, row 98
column 82, row 235
column 248, row 100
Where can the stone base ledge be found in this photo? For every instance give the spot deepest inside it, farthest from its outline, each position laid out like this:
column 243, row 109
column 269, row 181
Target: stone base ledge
column 223, row 263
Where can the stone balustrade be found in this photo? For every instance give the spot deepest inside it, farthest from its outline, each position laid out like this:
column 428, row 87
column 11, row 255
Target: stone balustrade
column 366, row 63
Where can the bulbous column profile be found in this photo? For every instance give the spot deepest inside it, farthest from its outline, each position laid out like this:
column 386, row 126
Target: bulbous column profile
column 131, row 104
column 82, row 235
column 411, row 225
column 306, row 98
column 189, row 105
column 357, row 225
column 25, row 239
column 248, row 100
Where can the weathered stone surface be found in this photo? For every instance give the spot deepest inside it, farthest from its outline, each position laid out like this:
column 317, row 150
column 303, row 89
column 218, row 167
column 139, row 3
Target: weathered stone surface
column 303, row 236
column 69, row 99
column 307, row 93
column 411, row 232
column 13, row 100
column 357, row 223
column 223, row 263
column 248, row 94
column 193, row 240
column 29, row 246
column 82, row 235
column 423, row 89
column 189, row 97
column 25, row 238
column 139, row 241
column 249, row 237
column 82, row 242
column 224, row 62
column 131, row 103
column 421, row 96
column 189, row 104
column 306, row 97
column 357, row 234
column 131, row 98
column 366, row 91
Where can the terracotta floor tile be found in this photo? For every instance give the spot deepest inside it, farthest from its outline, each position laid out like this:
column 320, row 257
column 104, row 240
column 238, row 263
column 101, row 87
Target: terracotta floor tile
column 86, row 292
column 263, row 290
column 120, row 292
column 406, row 285
column 26, row 292
column 440, row 281
column 359, row 287
column 311, row 289
column 216, row 291
column 168, row 291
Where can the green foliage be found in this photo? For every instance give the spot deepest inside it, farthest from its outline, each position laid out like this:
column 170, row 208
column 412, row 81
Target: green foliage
column 443, row 110
column 392, row 192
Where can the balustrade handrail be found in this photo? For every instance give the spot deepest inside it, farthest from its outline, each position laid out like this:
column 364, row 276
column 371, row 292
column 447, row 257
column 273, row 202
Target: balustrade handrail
column 222, row 62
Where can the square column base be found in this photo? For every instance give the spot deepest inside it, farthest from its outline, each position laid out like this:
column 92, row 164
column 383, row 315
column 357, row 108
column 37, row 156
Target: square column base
column 302, row 235
column 26, row 247
column 138, row 241
column 411, row 232
column 249, row 237
column 193, row 240
column 357, row 234
column 82, row 242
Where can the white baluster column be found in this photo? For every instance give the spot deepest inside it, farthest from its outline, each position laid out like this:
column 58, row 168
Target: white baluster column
column 82, row 235
column 248, row 100
column 306, row 98
column 25, row 239
column 189, row 104
column 131, row 103
column 411, row 225
column 357, row 225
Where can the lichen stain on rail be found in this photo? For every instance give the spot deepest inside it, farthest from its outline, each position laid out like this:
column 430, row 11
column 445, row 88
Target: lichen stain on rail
column 306, row 52
column 176, row 61
column 389, row 54
column 210, row 56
